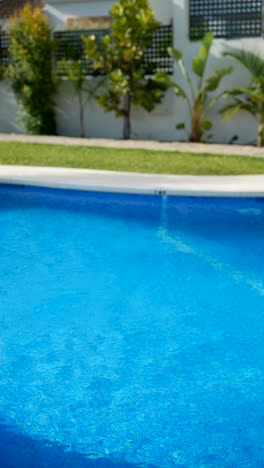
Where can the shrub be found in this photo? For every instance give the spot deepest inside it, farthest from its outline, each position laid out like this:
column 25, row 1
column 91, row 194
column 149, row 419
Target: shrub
column 30, row 51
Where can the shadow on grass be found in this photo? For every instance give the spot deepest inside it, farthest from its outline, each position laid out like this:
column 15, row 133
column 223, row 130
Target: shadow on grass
column 20, row 451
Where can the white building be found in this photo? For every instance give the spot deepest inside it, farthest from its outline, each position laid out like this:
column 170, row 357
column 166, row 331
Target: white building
column 236, row 23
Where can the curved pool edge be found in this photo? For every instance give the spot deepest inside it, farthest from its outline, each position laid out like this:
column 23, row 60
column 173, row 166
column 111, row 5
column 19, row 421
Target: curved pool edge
column 129, row 182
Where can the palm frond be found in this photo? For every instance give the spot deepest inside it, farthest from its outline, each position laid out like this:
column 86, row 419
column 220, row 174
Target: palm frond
column 237, row 105
column 229, row 110
column 252, row 94
column 252, row 62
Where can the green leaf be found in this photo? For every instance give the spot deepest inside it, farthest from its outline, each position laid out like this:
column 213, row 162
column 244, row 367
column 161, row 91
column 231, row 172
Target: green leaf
column 175, row 53
column 229, row 110
column 185, row 74
column 208, row 40
column 179, row 91
column 213, row 81
column 206, row 124
column 203, row 53
column 163, row 78
column 235, row 92
column 180, row 126
column 116, row 76
column 198, row 66
column 199, row 62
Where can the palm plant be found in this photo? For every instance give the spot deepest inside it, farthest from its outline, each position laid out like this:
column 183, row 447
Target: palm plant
column 197, row 97
column 251, row 97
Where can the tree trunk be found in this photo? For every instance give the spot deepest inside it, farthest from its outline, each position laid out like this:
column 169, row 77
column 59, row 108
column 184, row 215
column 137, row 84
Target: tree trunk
column 261, row 134
column 196, row 131
column 81, row 109
column 82, row 131
column 127, row 118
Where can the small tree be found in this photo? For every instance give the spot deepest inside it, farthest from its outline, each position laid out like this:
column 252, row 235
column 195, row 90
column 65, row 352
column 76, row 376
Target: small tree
column 197, row 97
column 30, row 71
column 120, row 56
column 251, row 97
column 75, row 71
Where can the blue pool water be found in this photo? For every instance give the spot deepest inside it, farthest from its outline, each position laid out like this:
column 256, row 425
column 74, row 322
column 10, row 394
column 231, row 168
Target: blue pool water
column 131, row 330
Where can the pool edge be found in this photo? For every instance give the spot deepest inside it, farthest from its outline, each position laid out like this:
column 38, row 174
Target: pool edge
column 247, row 186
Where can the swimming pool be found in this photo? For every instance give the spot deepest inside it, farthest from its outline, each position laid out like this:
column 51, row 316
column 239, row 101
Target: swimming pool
column 131, row 330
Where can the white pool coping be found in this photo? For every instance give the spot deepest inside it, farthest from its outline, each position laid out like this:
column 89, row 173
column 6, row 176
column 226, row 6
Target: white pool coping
column 125, row 182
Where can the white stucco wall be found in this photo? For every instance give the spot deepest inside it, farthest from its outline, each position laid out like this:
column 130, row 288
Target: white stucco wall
column 161, row 123
column 60, row 10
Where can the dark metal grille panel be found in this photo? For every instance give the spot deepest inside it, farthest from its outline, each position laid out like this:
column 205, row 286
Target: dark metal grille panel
column 225, row 18
column 157, row 55
column 4, row 60
column 70, row 46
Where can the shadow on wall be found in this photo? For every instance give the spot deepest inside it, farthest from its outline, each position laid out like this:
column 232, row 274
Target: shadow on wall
column 18, row 450
column 98, row 123
column 9, row 111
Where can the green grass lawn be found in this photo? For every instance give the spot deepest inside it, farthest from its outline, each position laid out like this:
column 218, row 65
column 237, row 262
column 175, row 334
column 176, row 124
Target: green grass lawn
column 130, row 160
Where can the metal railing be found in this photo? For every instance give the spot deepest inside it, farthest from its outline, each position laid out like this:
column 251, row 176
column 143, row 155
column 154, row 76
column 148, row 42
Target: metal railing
column 70, row 45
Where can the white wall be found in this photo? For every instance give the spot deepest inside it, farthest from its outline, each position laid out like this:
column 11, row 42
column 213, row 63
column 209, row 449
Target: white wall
column 163, row 10
column 59, row 12
column 98, row 124
column 9, row 111
column 161, row 123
